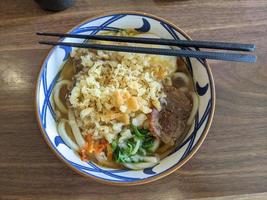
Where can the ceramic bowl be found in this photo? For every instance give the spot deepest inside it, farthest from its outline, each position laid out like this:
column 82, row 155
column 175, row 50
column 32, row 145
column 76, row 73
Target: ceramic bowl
column 142, row 22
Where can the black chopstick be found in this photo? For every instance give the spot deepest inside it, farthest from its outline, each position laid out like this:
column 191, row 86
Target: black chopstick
column 160, row 41
column 169, row 52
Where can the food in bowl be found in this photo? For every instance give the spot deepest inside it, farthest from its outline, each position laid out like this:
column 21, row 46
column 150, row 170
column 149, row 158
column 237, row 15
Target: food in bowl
column 122, row 109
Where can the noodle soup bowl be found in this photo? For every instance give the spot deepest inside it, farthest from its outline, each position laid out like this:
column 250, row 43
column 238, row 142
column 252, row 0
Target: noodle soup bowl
column 143, row 23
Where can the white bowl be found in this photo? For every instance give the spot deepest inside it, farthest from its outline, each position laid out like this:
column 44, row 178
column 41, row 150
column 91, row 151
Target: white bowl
column 142, row 22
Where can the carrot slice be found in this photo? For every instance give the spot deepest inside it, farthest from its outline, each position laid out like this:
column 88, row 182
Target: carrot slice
column 101, row 146
column 94, row 146
column 90, row 143
column 83, row 154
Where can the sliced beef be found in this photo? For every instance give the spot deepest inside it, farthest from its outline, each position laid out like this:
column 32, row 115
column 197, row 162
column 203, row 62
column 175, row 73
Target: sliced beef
column 170, row 123
column 154, row 125
column 178, row 83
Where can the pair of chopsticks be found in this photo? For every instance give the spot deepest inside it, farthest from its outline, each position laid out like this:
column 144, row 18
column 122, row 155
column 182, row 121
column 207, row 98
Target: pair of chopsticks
column 237, row 57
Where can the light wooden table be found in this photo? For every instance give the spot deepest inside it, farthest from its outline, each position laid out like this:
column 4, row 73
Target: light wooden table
column 232, row 162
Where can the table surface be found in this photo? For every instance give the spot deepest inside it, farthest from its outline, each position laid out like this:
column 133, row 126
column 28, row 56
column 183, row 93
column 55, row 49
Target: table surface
column 231, row 163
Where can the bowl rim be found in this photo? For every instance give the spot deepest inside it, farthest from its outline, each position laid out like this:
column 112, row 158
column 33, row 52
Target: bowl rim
column 168, row 171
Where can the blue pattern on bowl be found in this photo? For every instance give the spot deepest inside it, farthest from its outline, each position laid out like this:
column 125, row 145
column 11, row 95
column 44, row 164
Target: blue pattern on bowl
column 45, row 107
column 145, row 28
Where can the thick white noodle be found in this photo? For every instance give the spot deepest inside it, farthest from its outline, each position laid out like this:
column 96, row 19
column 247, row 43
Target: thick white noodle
column 102, row 159
column 56, row 95
column 141, row 165
column 75, row 129
column 65, row 137
column 146, row 161
column 155, row 145
column 137, row 146
column 52, row 100
column 150, row 159
column 182, row 76
column 57, row 112
column 194, row 108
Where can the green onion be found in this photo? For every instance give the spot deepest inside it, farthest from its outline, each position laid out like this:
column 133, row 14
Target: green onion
column 148, row 143
column 137, row 146
column 144, row 131
column 137, row 133
column 121, row 157
column 124, row 158
column 134, row 148
column 129, row 148
column 114, row 145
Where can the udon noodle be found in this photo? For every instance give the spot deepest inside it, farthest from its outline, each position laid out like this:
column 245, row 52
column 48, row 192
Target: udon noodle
column 123, row 109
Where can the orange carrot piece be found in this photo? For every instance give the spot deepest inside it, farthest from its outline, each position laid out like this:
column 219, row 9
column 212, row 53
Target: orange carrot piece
column 83, row 154
column 100, row 148
column 90, row 143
